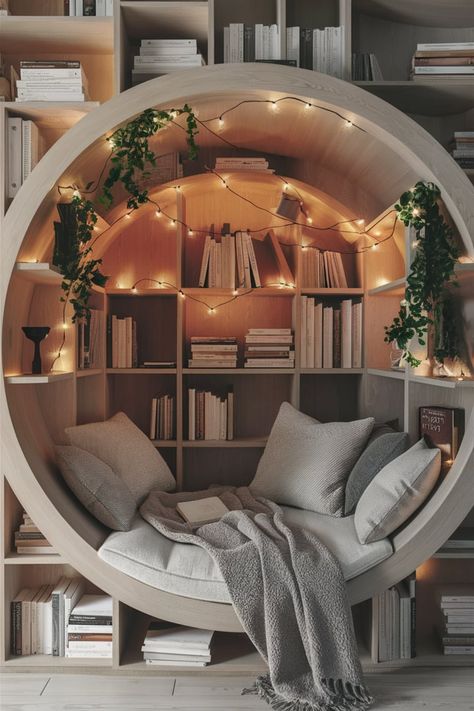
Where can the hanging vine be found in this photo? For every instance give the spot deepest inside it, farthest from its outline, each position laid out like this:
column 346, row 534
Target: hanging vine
column 130, row 158
column 427, row 303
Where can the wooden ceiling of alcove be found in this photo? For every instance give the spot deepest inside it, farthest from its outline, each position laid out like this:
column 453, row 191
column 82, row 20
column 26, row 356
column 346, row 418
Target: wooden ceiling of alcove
column 352, row 166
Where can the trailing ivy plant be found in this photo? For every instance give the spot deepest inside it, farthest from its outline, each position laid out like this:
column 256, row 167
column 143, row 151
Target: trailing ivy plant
column 131, row 158
column 427, row 304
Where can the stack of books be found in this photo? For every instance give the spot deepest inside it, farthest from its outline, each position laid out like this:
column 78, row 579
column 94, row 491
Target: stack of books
column 89, row 630
column 87, row 8
column 30, row 541
column 320, row 50
column 40, row 617
column 213, row 352
column 365, row 67
column 331, row 334
column 90, row 341
column 251, row 43
column 463, row 149
column 322, row 270
column 177, row 646
column 443, row 60
column 210, row 416
column 269, row 348
column 394, row 622
column 457, row 606
column 442, row 427
column 123, row 341
column 231, row 163
column 238, row 260
column 55, row 80
column 162, row 56
column 162, row 417
column 23, row 152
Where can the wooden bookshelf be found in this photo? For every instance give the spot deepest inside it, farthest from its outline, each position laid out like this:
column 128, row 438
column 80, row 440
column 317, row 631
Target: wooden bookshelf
column 106, row 47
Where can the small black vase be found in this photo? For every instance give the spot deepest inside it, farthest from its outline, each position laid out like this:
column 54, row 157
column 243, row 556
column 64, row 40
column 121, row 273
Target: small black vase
column 36, row 334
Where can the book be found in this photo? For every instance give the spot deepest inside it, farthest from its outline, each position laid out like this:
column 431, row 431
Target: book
column 202, row 511
column 14, row 155
column 443, row 427
column 58, row 625
column 444, row 46
column 178, row 640
column 91, row 608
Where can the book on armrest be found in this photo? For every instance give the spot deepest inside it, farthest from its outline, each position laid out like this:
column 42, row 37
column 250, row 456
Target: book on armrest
column 203, row 511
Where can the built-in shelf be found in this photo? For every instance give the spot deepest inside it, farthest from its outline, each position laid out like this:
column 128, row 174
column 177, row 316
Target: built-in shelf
column 141, row 371
column 53, row 34
column 252, row 442
column 47, row 660
column 454, row 553
column 332, row 371
column 428, row 654
column 391, row 288
column 455, row 13
column 39, row 272
column 60, row 115
column 128, row 291
column 429, row 98
column 260, row 291
column 46, row 559
column 382, row 373
column 89, row 372
column 332, row 291
column 30, row 379
column 161, row 443
column 442, row 382
column 238, row 371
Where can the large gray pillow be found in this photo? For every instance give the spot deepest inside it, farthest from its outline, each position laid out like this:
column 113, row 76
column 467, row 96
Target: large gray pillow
column 396, row 492
column 306, row 463
column 128, row 451
column 384, row 445
column 96, row 486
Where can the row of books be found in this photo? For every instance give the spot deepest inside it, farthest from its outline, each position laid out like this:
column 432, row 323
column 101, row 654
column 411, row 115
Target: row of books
column 321, row 270
column 210, row 416
column 90, row 344
column 62, row 621
column 162, row 417
column 88, row 8
column 123, row 341
column 320, row 50
column 29, row 540
column 213, row 352
column 269, row 348
column 242, row 163
column 443, row 59
column 462, row 148
column 51, row 80
column 457, row 607
column 162, row 56
column 23, row 152
column 249, row 43
column 394, row 622
column 365, row 67
column 238, row 260
column 176, row 646
column 331, row 334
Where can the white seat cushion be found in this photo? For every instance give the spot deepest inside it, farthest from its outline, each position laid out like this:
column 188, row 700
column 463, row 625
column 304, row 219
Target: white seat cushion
column 188, row 570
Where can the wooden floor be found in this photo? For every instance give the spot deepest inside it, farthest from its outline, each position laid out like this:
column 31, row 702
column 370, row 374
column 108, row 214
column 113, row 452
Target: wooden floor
column 408, row 690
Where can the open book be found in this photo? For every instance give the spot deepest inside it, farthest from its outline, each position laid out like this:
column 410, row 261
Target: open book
column 202, row 511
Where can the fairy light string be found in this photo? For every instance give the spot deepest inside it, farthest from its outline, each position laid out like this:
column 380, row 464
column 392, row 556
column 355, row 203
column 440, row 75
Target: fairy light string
column 284, row 222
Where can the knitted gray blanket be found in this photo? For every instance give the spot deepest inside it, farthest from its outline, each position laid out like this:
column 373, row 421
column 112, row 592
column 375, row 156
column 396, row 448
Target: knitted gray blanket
column 288, row 592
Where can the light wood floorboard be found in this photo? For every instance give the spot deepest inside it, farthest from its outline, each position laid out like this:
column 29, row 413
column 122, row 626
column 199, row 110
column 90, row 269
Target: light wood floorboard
column 404, row 690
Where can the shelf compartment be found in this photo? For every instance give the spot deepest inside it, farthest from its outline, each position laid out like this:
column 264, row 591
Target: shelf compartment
column 202, row 292
column 204, row 467
column 141, row 371
column 164, row 443
column 423, row 12
column 332, row 371
column 330, row 398
column 428, row 99
column 455, row 553
column 381, row 373
column 332, row 291
column 239, row 371
column 29, row 379
column 47, row 660
column 392, row 288
column 89, row 372
column 47, row 559
column 56, row 34
column 52, row 114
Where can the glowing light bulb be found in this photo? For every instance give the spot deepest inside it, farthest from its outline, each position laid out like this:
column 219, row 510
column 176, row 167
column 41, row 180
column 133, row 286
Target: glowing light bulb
column 286, row 186
column 220, row 121
column 360, row 222
column 415, row 243
column 134, row 289
column 182, row 295
column 158, row 213
column 235, row 292
column 177, row 188
column 349, row 124
column 190, row 232
column 224, row 184
column 375, row 246
column 211, row 310
column 274, row 106
column 309, row 220
column 127, row 216
column 96, row 228
column 303, row 247
column 76, row 193
column 403, row 302
column 308, row 106
column 172, row 222
column 64, row 326
column 416, row 211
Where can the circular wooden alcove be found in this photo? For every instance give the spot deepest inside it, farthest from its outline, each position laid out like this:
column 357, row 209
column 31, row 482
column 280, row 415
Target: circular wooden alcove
column 343, row 171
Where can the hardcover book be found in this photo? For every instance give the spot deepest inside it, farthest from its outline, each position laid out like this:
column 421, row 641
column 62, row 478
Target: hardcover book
column 443, row 427
column 203, row 511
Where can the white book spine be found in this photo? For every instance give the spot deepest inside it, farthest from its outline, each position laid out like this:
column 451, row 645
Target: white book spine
column 205, row 260
column 259, row 52
column 72, row 8
column 79, row 11
column 252, row 259
column 310, row 333
column 223, row 419
column 109, row 8
column 154, row 405
column 328, row 337
column 230, row 415
column 246, row 260
column 14, row 129
column 212, row 264
column 192, row 413
column 218, row 253
column 100, row 8
column 357, row 335
column 240, row 260
column 231, row 261
column 318, row 335
column 226, row 45
column 346, row 333
column 304, row 332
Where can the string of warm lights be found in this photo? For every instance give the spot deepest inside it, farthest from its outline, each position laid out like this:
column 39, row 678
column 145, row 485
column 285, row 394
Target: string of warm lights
column 283, row 223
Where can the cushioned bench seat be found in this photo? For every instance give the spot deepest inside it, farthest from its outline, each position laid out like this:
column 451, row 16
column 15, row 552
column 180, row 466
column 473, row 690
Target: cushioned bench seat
column 188, row 570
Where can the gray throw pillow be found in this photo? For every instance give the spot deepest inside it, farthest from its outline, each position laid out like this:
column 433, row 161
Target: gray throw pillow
column 383, row 446
column 396, row 492
column 306, row 463
column 128, row 451
column 96, row 486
